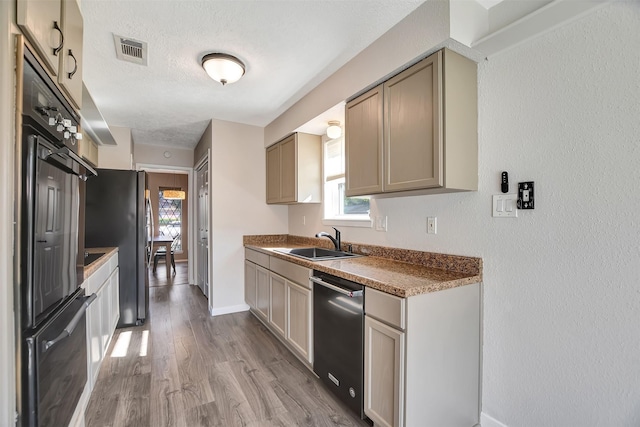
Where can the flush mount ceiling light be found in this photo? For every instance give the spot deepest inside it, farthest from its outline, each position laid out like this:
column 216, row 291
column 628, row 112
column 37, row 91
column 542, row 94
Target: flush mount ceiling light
column 223, row 68
column 334, row 130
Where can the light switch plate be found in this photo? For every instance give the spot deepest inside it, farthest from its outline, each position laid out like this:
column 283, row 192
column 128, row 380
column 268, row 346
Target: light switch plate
column 432, row 225
column 505, row 206
column 381, row 223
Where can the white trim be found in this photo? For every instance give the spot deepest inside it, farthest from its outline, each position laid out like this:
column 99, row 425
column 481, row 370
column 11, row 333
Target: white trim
column 228, row 310
column 549, row 17
column 489, row 421
column 347, row 222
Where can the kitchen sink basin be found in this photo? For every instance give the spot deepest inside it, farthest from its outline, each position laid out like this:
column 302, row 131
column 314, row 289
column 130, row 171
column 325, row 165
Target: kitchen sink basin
column 92, row 257
column 317, row 254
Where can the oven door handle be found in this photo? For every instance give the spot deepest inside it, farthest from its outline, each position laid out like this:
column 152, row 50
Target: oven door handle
column 68, row 330
column 347, row 292
column 73, row 156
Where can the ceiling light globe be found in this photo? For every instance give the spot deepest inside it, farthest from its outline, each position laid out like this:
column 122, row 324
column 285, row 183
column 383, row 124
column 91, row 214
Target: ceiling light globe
column 334, row 130
column 223, row 68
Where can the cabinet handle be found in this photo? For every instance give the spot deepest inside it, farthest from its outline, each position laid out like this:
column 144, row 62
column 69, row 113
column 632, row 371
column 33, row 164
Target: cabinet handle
column 75, row 64
column 56, row 50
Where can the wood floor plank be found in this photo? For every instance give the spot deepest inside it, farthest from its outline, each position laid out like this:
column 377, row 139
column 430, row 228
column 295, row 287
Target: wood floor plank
column 167, row 406
column 230, row 398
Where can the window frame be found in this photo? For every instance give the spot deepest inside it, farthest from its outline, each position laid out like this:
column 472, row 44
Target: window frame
column 344, row 220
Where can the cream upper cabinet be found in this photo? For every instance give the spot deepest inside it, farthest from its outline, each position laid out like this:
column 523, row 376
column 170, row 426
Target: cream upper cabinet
column 416, row 131
column 55, row 29
column 294, row 170
column 40, row 22
column 88, row 149
column 363, row 143
column 70, row 68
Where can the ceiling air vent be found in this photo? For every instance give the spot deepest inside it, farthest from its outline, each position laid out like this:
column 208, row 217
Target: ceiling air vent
column 131, row 50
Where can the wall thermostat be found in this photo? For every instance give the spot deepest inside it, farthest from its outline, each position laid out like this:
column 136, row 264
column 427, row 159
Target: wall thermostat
column 525, row 195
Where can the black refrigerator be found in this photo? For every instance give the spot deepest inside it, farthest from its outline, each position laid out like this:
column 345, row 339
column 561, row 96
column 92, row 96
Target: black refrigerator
column 118, row 213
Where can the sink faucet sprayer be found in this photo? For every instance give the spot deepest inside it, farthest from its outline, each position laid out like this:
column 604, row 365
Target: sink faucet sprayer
column 336, row 240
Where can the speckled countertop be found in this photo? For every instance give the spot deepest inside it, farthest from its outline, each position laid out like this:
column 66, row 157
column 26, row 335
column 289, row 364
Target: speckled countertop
column 95, row 265
column 400, row 272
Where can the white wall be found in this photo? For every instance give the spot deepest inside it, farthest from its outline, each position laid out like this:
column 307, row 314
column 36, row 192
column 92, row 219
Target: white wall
column 120, row 155
column 238, row 194
column 561, row 296
column 7, row 149
column 154, row 155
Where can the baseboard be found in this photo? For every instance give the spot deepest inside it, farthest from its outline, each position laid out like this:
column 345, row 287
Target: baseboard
column 489, row 421
column 228, row 310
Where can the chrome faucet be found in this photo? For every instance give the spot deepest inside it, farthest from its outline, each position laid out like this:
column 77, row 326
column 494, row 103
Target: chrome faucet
column 336, row 240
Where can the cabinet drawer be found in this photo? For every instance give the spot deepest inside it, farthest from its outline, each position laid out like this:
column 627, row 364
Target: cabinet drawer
column 293, row 272
column 256, row 257
column 385, row 307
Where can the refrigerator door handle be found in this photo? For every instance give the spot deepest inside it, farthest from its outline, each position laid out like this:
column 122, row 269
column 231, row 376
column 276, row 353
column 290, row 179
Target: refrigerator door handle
column 153, row 227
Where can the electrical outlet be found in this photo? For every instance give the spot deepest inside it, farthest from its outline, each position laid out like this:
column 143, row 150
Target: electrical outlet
column 432, row 225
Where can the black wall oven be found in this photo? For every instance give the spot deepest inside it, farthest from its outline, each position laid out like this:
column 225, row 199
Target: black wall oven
column 51, row 355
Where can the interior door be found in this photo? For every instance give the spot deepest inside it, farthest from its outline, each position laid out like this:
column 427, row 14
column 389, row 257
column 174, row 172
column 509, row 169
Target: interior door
column 202, row 183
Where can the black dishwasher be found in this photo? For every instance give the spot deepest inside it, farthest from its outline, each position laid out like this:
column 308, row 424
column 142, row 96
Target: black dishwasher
column 338, row 337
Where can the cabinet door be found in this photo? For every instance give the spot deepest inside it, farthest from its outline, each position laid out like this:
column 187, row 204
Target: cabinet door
column 70, row 69
column 114, row 291
column 299, row 323
column 277, row 313
column 94, row 332
column 262, row 292
column 288, row 170
column 363, row 144
column 273, row 174
column 40, row 22
column 413, row 152
column 383, row 373
column 250, row 284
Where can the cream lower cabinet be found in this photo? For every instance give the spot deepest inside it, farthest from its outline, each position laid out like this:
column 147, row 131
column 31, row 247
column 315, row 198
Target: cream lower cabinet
column 384, row 370
column 299, row 321
column 102, row 315
column 281, row 298
column 278, row 301
column 422, row 358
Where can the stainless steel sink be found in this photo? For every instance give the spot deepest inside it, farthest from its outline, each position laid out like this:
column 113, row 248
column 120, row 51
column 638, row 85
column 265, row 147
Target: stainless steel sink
column 92, row 257
column 316, row 254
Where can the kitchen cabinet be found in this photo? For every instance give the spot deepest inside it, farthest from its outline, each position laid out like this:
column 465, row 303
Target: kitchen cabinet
column 299, row 320
column 41, row 24
column 294, row 170
column 422, row 357
column 70, row 66
column 102, row 315
column 88, row 149
column 277, row 309
column 286, row 305
column 384, row 369
column 415, row 131
column 55, row 30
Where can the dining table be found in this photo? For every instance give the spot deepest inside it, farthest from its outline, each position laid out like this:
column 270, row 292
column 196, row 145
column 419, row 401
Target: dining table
column 165, row 241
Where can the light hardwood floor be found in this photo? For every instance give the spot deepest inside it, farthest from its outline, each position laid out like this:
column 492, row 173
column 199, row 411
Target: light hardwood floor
column 185, row 368
column 159, row 277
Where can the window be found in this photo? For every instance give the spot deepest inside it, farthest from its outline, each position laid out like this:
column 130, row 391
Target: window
column 170, row 219
column 336, row 205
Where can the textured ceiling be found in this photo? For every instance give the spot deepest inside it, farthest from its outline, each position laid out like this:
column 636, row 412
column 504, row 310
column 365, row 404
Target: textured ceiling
column 288, row 47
